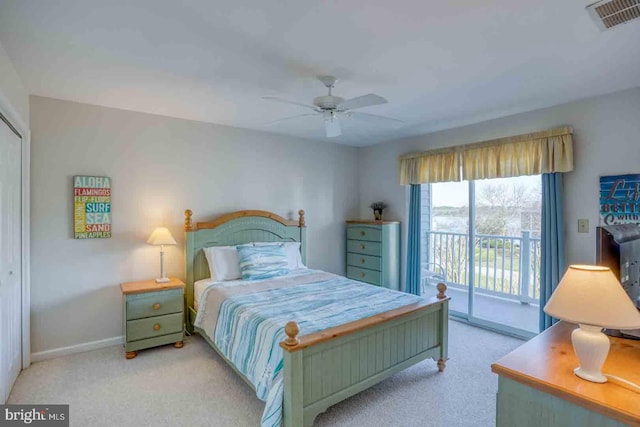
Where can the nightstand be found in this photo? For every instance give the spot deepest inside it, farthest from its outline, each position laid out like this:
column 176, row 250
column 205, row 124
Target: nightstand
column 153, row 314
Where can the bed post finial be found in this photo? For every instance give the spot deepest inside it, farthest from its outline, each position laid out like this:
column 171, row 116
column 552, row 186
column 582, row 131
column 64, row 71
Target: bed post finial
column 441, row 290
column 291, row 329
column 301, row 218
column 188, row 225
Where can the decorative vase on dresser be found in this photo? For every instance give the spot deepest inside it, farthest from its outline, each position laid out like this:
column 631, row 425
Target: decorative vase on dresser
column 373, row 252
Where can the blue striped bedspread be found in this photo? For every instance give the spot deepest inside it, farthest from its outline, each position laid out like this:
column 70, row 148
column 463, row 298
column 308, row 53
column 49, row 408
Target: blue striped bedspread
column 250, row 326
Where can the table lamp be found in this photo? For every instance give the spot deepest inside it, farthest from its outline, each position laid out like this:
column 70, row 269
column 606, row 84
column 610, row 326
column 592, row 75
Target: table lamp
column 592, row 297
column 161, row 237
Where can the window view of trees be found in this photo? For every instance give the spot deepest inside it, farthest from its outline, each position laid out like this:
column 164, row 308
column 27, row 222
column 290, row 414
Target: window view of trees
column 504, row 207
column 509, row 207
column 507, row 219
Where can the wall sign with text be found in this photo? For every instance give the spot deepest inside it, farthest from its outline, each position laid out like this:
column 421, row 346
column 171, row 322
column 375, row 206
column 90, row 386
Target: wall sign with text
column 91, row 207
column 620, row 199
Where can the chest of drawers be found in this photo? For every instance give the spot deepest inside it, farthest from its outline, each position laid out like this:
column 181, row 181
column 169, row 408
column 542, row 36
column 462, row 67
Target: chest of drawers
column 153, row 314
column 373, row 252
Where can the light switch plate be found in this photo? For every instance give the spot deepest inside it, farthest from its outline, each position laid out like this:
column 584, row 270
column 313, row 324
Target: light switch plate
column 583, row 225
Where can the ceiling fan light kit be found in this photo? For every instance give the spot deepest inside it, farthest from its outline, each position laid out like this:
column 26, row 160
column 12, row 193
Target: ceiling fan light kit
column 334, row 108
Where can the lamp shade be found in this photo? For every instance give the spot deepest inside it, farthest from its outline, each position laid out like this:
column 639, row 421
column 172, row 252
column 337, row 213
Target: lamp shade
column 161, row 236
column 592, row 295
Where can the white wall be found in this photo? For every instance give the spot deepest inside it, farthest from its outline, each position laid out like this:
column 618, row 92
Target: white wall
column 159, row 167
column 13, row 93
column 606, row 142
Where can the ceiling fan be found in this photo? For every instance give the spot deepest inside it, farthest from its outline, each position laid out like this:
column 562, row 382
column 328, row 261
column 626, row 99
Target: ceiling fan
column 334, row 108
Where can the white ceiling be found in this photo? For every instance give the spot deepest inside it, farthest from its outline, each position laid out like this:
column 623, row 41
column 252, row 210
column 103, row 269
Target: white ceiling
column 439, row 63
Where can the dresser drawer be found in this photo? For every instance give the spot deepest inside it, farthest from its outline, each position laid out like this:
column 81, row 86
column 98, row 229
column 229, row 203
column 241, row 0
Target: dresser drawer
column 364, row 247
column 363, row 275
column 364, row 261
column 154, row 326
column 154, row 304
column 371, row 234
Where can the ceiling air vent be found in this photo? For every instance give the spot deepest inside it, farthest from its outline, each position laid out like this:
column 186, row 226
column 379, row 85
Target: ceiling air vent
column 611, row 13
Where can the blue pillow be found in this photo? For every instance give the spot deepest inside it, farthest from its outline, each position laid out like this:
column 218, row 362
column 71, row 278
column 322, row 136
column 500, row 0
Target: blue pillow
column 262, row 262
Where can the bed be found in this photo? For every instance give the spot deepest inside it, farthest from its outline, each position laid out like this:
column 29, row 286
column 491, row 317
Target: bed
column 315, row 357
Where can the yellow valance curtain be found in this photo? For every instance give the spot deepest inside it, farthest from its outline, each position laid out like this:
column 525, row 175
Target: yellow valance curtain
column 433, row 166
column 530, row 154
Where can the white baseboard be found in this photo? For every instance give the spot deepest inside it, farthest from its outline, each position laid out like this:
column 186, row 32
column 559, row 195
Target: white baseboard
column 78, row 348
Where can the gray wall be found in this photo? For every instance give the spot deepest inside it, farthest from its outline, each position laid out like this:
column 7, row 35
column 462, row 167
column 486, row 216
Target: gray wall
column 160, row 166
column 12, row 90
column 606, row 142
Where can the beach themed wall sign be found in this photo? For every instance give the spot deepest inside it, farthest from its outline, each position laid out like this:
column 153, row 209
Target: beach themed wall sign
column 620, row 199
column 91, row 207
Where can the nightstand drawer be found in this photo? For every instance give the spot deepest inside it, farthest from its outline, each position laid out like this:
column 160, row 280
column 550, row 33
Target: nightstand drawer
column 373, row 234
column 154, row 326
column 154, row 303
column 363, row 275
column 364, row 261
column 363, row 247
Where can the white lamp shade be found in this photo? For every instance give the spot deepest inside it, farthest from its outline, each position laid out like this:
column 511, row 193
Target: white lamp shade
column 161, row 236
column 591, row 295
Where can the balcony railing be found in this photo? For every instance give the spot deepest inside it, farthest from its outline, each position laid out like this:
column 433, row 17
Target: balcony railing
column 503, row 266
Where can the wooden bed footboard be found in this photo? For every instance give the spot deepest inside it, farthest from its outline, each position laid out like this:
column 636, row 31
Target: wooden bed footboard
column 327, row 367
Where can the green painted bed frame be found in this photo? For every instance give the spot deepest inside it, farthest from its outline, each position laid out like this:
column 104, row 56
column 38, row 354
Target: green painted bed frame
column 327, row 367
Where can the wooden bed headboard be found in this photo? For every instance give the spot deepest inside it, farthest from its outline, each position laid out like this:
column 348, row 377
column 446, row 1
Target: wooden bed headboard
column 235, row 228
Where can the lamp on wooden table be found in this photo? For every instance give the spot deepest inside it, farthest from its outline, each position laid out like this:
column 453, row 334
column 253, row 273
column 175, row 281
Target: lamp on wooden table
column 592, row 297
column 161, row 237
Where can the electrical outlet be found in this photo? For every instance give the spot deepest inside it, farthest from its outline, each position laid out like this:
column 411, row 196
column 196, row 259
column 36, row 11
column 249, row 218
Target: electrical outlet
column 583, row 225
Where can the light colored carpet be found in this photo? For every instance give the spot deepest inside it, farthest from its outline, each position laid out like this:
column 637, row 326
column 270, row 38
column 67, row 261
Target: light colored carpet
column 193, row 386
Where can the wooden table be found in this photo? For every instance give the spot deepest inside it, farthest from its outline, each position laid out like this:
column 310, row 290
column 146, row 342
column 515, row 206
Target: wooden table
column 537, row 386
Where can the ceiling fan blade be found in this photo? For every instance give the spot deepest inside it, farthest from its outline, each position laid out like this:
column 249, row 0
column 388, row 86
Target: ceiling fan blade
column 286, row 101
column 332, row 127
column 362, row 101
column 373, row 118
column 289, row 118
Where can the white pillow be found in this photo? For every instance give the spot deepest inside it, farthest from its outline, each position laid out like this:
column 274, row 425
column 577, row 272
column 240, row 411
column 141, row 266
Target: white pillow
column 224, row 263
column 291, row 249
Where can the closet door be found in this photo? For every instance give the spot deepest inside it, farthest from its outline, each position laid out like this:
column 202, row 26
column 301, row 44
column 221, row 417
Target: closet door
column 10, row 260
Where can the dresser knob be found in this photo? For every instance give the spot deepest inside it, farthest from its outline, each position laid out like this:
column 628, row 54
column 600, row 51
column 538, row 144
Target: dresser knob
column 156, row 306
column 156, row 327
column 361, row 246
column 361, row 260
column 362, row 233
column 362, row 274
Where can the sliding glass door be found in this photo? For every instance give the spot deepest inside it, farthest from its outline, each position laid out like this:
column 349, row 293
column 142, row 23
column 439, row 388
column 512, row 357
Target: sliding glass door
column 483, row 239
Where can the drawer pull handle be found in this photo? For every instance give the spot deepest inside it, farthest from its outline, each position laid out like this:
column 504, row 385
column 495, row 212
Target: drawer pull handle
column 362, row 233
column 156, row 327
column 362, row 274
column 361, row 246
column 361, row 260
column 156, row 306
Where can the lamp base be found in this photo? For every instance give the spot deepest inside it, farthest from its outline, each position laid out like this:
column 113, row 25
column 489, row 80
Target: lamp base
column 162, row 280
column 591, row 347
column 589, row 376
